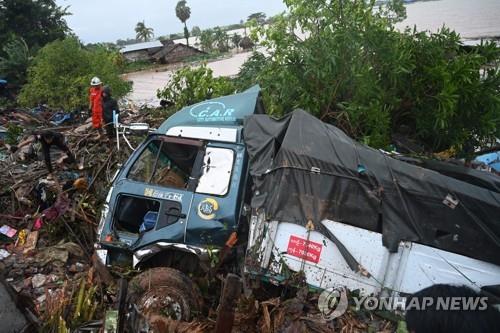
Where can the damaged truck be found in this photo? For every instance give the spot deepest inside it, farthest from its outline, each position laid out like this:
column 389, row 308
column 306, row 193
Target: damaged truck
column 299, row 196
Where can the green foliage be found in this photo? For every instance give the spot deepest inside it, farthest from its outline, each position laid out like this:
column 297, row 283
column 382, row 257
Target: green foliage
column 250, row 71
column 61, row 72
column 246, row 43
column 207, row 40
column 182, row 11
column 139, row 65
column 192, row 85
column 142, row 32
column 259, row 17
column 351, row 68
column 37, row 22
column 13, row 133
column 196, row 31
column 14, row 64
column 221, row 40
column 128, row 41
column 65, row 312
column 236, row 39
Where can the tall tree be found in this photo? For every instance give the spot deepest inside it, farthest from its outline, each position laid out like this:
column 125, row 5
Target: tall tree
column 15, row 62
column 207, row 40
column 259, row 17
column 142, row 32
column 195, row 31
column 221, row 39
column 183, row 12
column 36, row 22
column 236, row 39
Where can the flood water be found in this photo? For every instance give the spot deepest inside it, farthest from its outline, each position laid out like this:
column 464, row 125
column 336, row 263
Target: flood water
column 472, row 19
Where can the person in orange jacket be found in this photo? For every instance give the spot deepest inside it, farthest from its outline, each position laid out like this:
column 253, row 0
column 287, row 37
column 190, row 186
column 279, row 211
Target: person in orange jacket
column 95, row 105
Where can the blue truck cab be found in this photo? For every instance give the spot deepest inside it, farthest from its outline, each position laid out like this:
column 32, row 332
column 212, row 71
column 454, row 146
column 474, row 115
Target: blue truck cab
column 183, row 189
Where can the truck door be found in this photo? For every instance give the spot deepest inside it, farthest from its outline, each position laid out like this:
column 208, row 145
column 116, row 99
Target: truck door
column 156, row 195
column 217, row 199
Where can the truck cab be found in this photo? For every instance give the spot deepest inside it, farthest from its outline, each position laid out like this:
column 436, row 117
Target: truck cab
column 183, row 189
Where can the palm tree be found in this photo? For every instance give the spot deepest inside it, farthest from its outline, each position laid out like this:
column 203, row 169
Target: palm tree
column 183, row 12
column 236, row 39
column 221, row 39
column 207, row 40
column 259, row 17
column 142, row 32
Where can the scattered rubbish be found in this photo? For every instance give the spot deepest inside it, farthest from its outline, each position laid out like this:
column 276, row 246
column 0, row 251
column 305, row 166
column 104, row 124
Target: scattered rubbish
column 61, row 117
column 70, row 286
column 52, row 254
column 59, row 208
column 81, row 184
column 38, row 224
column 491, row 159
column 21, row 238
column 31, row 241
column 38, row 280
column 8, row 231
column 111, row 321
column 4, row 254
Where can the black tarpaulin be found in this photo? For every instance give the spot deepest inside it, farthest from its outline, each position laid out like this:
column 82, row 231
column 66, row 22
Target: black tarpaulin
column 304, row 169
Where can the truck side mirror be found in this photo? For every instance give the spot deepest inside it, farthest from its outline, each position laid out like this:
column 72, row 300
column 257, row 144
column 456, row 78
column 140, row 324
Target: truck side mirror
column 138, row 128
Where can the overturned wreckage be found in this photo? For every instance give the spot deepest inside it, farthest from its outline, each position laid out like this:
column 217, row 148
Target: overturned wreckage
column 306, row 197
column 379, row 223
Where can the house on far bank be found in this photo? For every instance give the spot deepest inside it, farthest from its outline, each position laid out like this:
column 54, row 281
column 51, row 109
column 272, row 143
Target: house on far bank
column 141, row 51
column 175, row 52
column 165, row 52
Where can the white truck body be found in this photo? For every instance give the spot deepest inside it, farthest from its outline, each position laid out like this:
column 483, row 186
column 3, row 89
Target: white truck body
column 413, row 267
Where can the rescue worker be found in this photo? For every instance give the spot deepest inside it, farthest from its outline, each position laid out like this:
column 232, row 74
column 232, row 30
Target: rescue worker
column 95, row 104
column 48, row 139
column 109, row 105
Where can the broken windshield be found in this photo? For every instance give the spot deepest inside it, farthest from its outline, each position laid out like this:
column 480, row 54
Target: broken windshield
column 166, row 163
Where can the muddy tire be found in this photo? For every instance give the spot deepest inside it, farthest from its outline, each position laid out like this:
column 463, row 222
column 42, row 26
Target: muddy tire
column 167, row 292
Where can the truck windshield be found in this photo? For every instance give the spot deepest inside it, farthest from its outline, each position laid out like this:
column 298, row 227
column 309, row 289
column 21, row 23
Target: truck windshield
column 165, row 163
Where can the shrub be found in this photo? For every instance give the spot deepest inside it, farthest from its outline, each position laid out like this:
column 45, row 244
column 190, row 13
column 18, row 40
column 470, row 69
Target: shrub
column 61, row 73
column 14, row 64
column 352, row 68
column 192, row 85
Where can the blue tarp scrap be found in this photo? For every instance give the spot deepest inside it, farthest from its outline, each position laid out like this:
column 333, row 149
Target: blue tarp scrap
column 60, row 117
column 491, row 159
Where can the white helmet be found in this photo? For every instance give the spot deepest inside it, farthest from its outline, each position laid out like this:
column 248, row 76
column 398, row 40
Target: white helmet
column 95, row 81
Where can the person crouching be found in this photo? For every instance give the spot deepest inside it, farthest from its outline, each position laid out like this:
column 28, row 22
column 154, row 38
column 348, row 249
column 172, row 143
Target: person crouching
column 47, row 139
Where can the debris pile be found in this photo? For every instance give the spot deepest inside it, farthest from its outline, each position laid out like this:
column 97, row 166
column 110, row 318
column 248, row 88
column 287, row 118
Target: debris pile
column 47, row 232
column 36, row 274
column 47, row 225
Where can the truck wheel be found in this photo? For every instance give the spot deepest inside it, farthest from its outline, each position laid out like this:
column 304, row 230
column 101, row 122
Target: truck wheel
column 165, row 291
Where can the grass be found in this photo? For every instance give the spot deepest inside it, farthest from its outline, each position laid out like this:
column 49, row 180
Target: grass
column 136, row 66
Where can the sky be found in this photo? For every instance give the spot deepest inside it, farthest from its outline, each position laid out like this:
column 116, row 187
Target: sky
column 108, row 20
